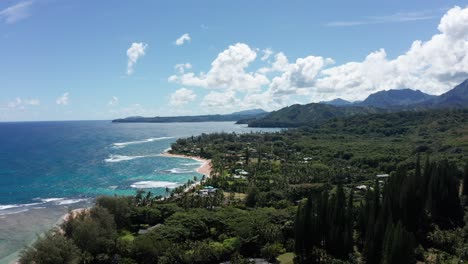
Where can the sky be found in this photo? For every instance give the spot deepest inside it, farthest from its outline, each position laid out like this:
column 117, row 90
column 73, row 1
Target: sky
column 100, row 60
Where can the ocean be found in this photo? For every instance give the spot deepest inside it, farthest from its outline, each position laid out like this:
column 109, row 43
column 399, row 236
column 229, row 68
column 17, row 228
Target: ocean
column 48, row 168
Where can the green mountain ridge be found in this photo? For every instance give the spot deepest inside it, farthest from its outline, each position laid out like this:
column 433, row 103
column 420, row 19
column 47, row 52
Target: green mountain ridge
column 399, row 97
column 305, row 115
column 381, row 102
column 456, row 97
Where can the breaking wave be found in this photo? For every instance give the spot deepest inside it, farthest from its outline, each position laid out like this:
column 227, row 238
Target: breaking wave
column 119, row 158
column 124, row 144
column 154, row 184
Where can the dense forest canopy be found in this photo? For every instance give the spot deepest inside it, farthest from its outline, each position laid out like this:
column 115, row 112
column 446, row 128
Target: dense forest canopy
column 375, row 188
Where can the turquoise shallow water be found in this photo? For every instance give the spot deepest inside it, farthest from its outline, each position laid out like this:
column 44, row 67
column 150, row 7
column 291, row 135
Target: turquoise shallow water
column 48, row 167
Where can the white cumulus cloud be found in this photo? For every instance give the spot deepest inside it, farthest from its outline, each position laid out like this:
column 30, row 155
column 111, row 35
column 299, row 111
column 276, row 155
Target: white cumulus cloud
column 113, row 101
column 62, row 100
column 228, row 71
column 181, row 67
column 136, row 51
column 182, row 39
column 266, row 54
column 433, row 66
column 182, row 97
column 225, row 100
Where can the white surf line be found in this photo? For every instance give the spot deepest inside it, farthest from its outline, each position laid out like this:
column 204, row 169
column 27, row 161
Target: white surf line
column 124, row 144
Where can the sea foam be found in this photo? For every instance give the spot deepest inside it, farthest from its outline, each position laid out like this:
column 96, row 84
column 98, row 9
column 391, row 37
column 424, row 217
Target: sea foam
column 8, row 206
column 199, row 163
column 124, row 144
column 178, row 171
column 154, row 184
column 119, row 158
column 15, row 208
column 70, row 201
column 48, row 200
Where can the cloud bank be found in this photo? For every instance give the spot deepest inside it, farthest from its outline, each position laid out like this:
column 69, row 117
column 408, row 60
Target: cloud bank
column 432, row 66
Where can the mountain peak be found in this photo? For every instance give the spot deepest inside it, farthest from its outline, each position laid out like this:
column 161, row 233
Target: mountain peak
column 256, row 111
column 336, row 102
column 456, row 97
column 396, row 97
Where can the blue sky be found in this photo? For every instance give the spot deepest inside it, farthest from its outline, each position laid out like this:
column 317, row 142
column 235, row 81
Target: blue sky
column 70, row 59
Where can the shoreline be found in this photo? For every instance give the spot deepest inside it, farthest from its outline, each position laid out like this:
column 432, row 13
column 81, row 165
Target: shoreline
column 205, row 168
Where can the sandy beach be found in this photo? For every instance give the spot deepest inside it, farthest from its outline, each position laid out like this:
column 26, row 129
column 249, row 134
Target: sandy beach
column 204, row 169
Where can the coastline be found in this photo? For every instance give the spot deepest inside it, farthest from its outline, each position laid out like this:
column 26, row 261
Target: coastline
column 13, row 258
column 205, row 168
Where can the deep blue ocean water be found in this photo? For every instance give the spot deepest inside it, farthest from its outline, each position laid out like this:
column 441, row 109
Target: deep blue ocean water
column 46, row 167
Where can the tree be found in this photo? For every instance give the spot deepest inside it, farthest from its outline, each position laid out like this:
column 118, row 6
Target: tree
column 93, row 232
column 119, row 207
column 252, row 196
column 336, row 240
column 271, row 250
column 299, row 227
column 399, row 245
column 374, row 225
column 306, row 235
column 52, row 248
column 465, row 180
column 349, row 229
column 443, row 201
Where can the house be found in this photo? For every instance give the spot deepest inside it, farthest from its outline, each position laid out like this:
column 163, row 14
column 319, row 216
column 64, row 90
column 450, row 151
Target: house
column 361, row 187
column 382, row 176
column 241, row 172
column 207, row 190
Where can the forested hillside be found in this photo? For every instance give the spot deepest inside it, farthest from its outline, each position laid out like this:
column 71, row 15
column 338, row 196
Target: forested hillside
column 379, row 188
column 307, row 115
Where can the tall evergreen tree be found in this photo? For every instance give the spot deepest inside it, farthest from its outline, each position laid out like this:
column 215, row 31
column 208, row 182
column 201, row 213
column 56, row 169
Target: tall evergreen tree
column 299, row 234
column 349, row 230
column 465, row 180
column 399, row 245
column 443, row 201
column 336, row 243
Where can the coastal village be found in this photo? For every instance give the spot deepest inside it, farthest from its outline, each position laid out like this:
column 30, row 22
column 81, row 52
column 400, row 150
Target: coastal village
column 235, row 166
